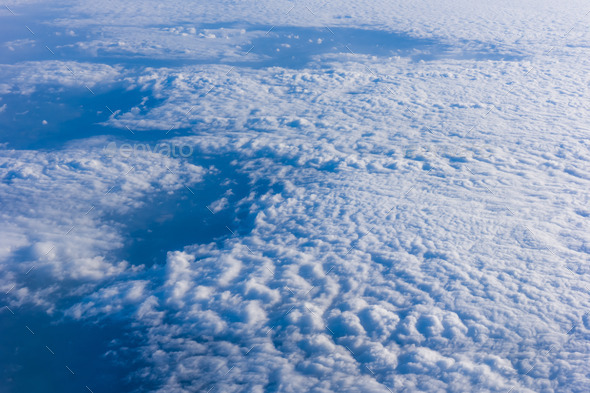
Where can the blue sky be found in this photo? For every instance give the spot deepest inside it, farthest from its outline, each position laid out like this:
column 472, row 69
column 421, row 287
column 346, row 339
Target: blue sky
column 294, row 196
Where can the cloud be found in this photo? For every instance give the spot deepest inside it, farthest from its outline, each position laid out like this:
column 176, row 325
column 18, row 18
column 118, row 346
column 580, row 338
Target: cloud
column 363, row 270
column 389, row 224
column 27, row 77
column 58, row 203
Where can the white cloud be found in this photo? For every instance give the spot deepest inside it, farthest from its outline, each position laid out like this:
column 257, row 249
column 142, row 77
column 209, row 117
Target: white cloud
column 58, row 202
column 422, row 296
column 379, row 244
column 27, row 77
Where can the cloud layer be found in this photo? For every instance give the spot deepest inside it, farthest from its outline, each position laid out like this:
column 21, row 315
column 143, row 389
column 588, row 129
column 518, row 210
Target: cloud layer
column 369, row 220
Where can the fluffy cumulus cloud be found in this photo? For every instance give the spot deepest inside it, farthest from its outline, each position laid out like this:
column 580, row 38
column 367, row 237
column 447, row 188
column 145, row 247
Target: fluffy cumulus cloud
column 55, row 206
column 26, row 78
column 405, row 216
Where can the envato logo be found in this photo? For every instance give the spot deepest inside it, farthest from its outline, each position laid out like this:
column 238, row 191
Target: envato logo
column 167, row 149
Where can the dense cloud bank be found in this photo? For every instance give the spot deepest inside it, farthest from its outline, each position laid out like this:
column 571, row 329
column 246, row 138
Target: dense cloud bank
column 407, row 220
